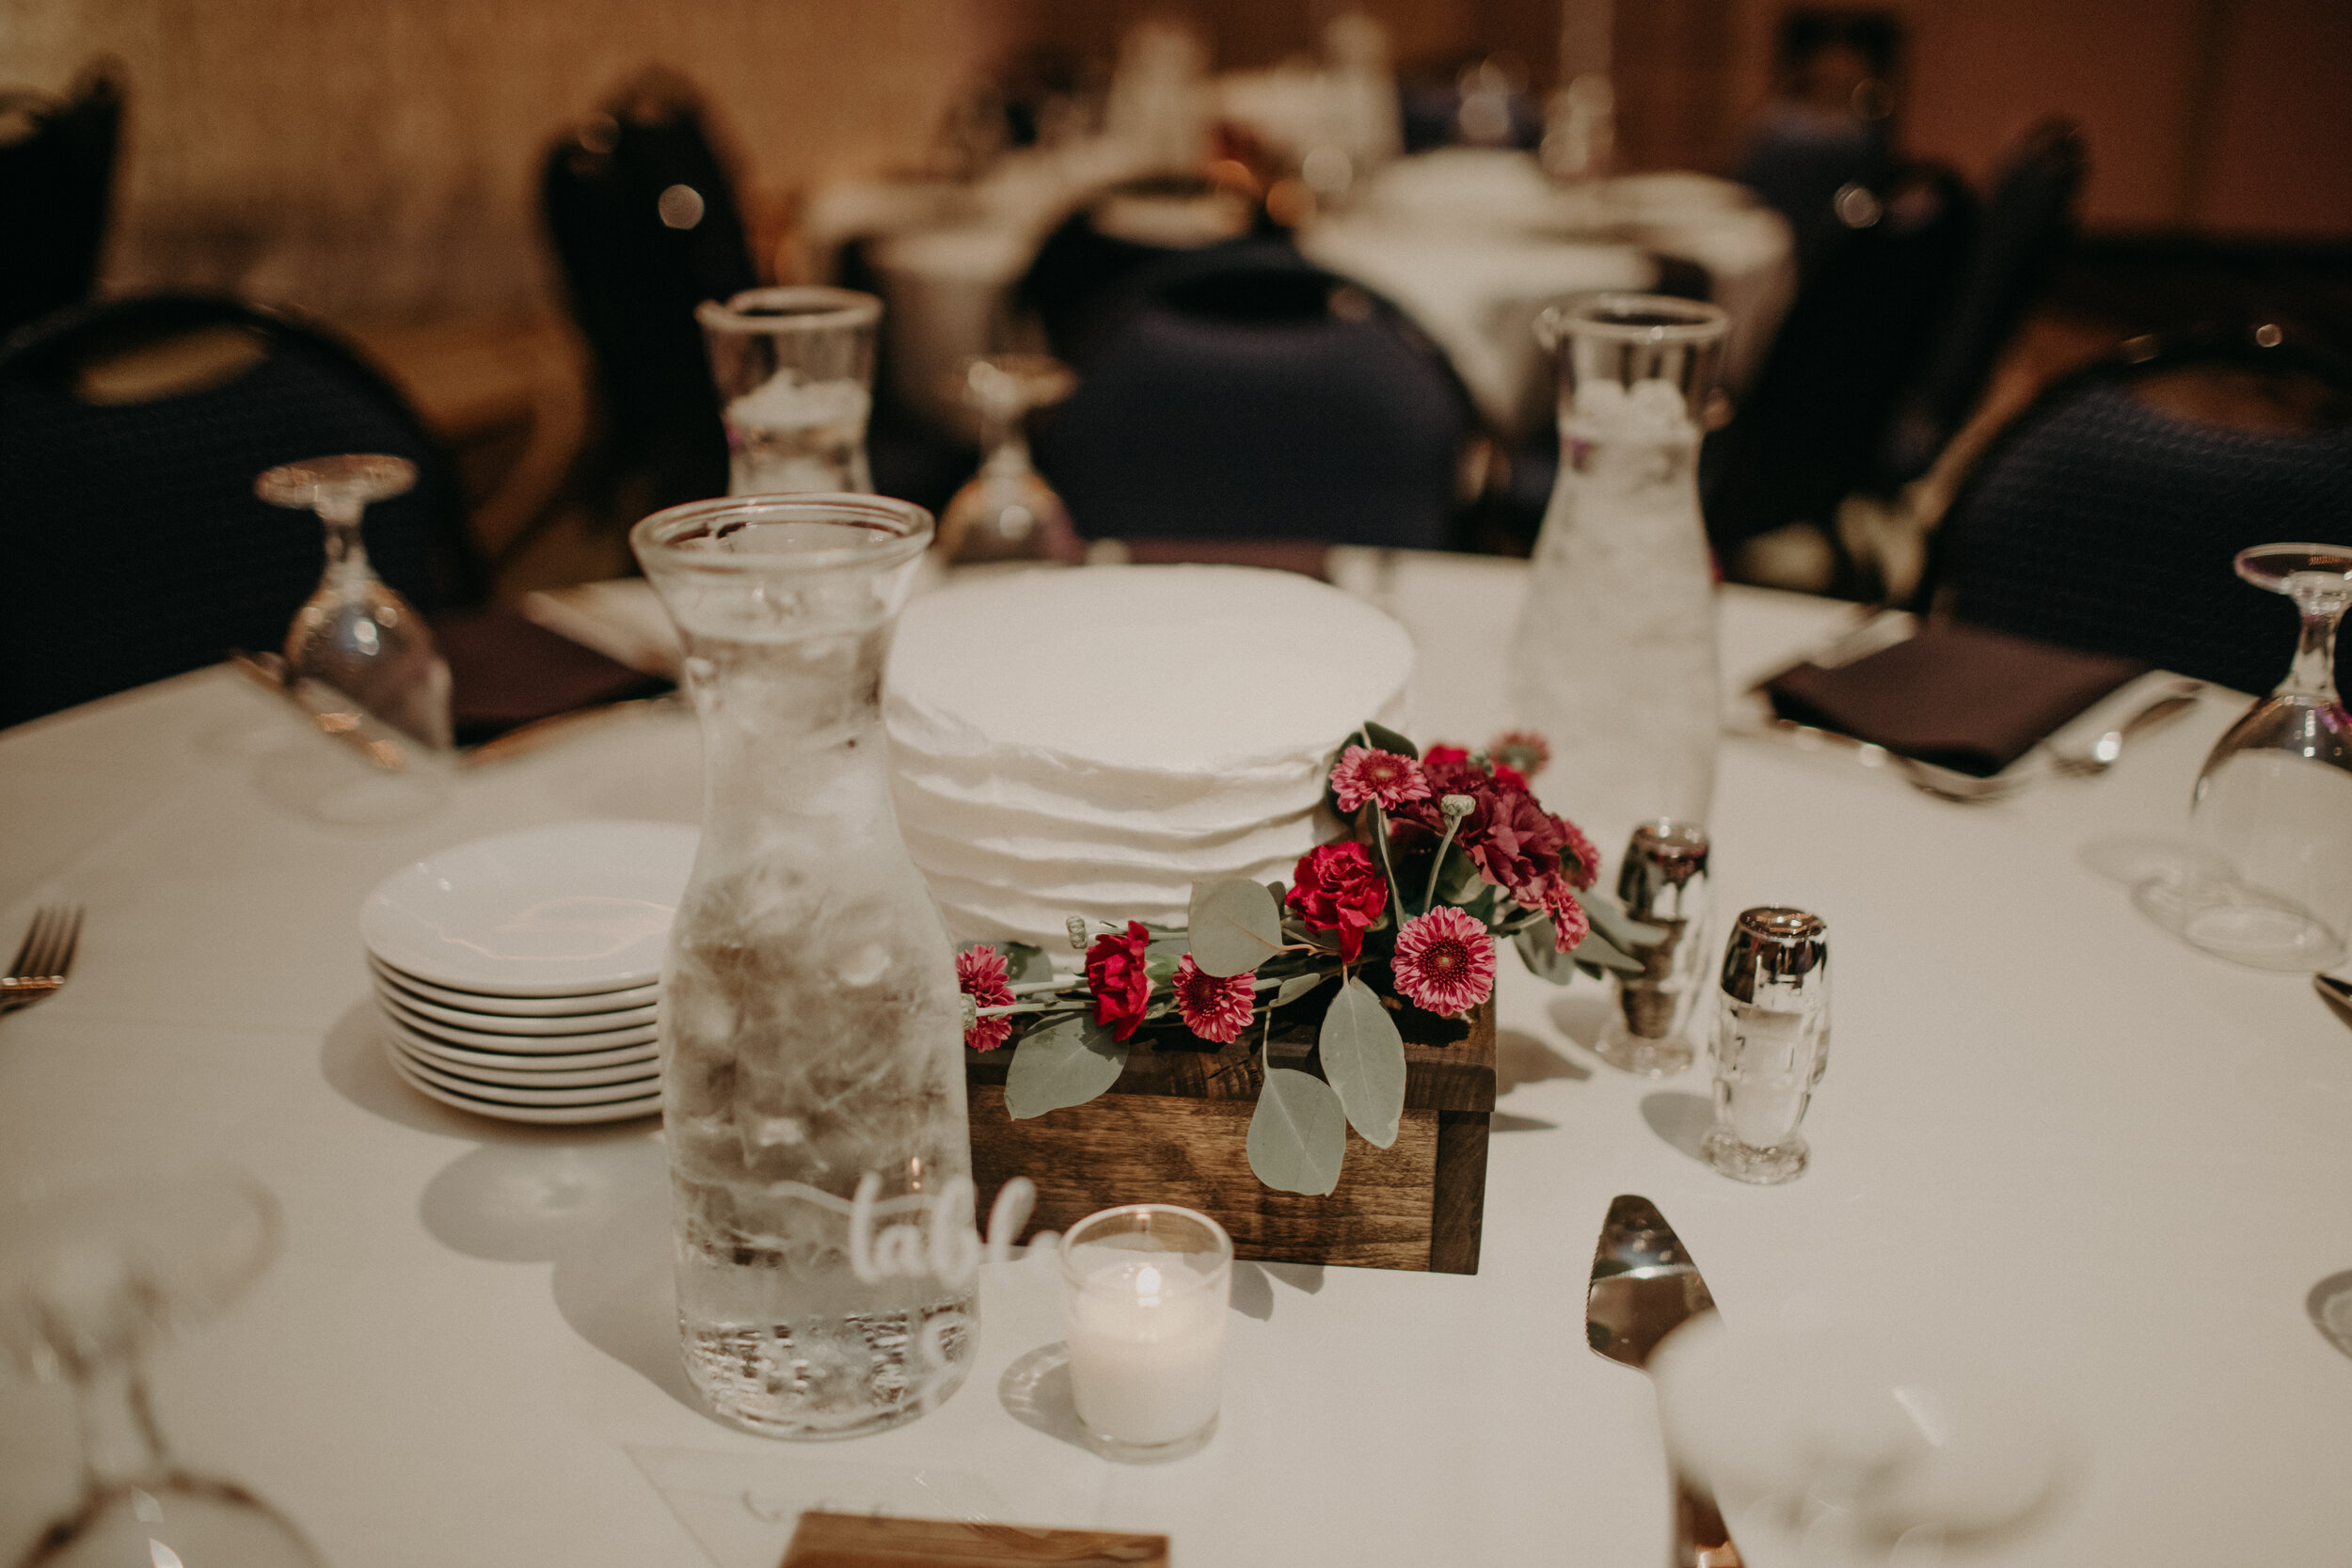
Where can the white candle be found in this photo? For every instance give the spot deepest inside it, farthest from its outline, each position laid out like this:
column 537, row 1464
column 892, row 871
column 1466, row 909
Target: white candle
column 1146, row 1351
column 1144, row 1294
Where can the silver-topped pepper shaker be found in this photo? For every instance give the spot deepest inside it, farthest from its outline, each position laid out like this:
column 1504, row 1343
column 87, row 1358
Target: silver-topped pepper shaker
column 1772, row 1035
column 1661, row 883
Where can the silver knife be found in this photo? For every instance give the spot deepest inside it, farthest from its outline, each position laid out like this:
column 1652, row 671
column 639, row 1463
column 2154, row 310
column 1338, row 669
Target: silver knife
column 1644, row 1286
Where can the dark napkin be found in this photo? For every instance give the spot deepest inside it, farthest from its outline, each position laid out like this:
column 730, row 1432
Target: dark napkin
column 1961, row 697
column 506, row 672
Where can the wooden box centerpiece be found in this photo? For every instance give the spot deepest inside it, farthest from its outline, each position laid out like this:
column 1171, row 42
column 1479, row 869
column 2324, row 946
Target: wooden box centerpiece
column 1174, row 1128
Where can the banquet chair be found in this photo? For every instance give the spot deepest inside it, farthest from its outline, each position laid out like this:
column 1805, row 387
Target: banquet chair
column 57, row 163
column 1809, row 431
column 646, row 227
column 2028, row 221
column 131, row 433
column 1244, row 393
column 2106, row 516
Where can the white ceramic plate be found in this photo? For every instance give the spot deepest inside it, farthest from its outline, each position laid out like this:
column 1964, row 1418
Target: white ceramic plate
column 557, row 910
column 499, row 1094
column 525, row 1044
column 529, row 1077
column 495, row 1023
column 619, row 1110
column 464, row 1060
column 514, row 1006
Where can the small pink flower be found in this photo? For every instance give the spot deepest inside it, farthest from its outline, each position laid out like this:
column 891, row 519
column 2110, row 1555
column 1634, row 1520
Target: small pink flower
column 1524, row 750
column 1587, row 869
column 1571, row 924
column 1445, row 961
column 1215, row 1008
column 1387, row 777
column 981, row 974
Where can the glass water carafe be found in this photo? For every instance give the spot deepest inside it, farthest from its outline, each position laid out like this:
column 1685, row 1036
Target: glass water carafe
column 811, row 1022
column 1614, row 656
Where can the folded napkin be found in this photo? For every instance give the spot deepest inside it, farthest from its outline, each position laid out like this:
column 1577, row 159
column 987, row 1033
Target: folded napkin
column 1961, row 697
column 505, row 672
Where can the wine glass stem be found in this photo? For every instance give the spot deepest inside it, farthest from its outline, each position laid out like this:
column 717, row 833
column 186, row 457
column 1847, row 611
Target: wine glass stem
column 346, row 551
column 2314, row 673
column 119, row 1440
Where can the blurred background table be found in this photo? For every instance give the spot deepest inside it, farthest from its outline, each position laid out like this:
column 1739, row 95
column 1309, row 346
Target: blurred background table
column 2047, row 1130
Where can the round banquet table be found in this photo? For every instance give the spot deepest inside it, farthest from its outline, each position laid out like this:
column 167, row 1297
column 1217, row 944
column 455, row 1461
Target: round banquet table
column 2048, row 1133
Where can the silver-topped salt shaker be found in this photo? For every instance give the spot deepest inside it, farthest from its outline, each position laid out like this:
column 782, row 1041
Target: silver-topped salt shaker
column 1661, row 881
column 1770, row 1043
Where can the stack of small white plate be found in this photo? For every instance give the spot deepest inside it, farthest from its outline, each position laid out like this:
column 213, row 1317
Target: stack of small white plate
column 519, row 975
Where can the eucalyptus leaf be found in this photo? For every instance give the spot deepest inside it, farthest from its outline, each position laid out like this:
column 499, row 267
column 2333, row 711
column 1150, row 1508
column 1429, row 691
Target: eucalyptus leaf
column 1298, row 1133
column 1161, row 967
column 1386, row 740
column 1459, row 881
column 1026, row 962
column 1296, row 987
column 1363, row 1056
column 1068, row 1062
column 1237, row 925
column 1540, row 950
column 1622, row 930
column 1600, row 950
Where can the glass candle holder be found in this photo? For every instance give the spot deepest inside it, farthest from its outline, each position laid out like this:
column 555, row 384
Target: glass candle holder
column 795, row 372
column 1145, row 1289
column 1772, row 1035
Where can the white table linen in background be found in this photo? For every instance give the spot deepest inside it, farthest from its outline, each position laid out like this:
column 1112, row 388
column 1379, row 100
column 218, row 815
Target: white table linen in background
column 2047, row 1130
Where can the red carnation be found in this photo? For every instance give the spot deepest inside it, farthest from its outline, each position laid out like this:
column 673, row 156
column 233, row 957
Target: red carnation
column 1445, row 961
column 981, row 972
column 1507, row 774
column 1335, row 887
column 1364, row 774
column 1115, row 974
column 1436, row 754
column 1585, row 870
column 1214, row 1007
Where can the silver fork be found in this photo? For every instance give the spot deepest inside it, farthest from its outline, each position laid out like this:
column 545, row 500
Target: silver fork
column 40, row 969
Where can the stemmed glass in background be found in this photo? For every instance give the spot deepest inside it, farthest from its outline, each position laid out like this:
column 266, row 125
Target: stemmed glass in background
column 2272, row 812
column 91, row 1274
column 353, row 633
column 1006, row 511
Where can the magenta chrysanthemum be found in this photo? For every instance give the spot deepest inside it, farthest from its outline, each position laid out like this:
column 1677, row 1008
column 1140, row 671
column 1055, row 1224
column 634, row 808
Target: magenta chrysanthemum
column 1364, row 774
column 981, row 974
column 1445, row 961
column 1214, row 1007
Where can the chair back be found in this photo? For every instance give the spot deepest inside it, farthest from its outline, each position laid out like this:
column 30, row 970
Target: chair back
column 2107, row 515
column 2028, row 223
column 1244, row 393
column 136, row 545
column 646, row 227
column 56, row 188
column 1810, row 429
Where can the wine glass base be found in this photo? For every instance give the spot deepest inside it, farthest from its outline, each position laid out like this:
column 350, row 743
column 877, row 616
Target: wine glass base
column 1762, row 1168
column 1123, row 1452
column 2240, row 924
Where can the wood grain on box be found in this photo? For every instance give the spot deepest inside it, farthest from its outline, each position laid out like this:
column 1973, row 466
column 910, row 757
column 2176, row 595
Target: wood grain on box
column 1175, row 1128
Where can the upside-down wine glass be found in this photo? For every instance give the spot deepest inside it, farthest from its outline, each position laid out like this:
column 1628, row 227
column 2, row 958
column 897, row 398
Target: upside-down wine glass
column 353, row 633
column 2272, row 812
column 1006, row 511
column 91, row 1272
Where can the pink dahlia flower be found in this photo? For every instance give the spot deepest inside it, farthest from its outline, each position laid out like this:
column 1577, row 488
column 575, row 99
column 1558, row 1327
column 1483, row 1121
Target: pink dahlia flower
column 1445, row 961
column 1364, row 774
column 981, row 971
column 1214, row 1007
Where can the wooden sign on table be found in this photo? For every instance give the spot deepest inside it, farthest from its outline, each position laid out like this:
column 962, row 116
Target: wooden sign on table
column 861, row 1541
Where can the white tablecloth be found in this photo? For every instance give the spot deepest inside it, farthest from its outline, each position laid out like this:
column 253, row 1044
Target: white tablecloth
column 2047, row 1132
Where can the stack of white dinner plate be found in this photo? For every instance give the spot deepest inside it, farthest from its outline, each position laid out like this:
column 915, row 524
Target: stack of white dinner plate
column 519, row 976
